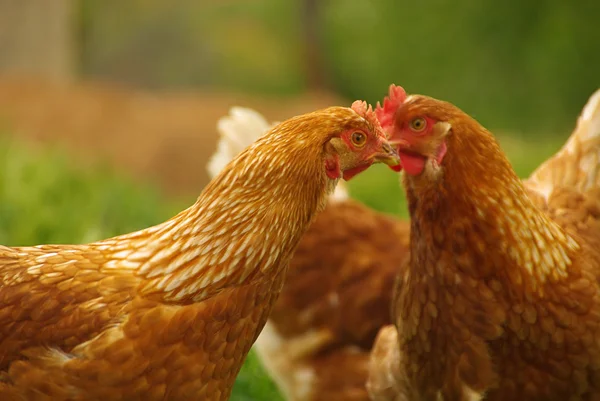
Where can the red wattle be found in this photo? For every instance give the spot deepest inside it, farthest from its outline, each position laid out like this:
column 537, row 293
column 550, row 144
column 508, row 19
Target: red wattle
column 332, row 168
column 441, row 153
column 348, row 174
column 412, row 164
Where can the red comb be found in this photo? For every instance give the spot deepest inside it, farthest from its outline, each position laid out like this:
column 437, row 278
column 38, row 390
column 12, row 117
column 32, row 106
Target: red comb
column 391, row 103
column 366, row 111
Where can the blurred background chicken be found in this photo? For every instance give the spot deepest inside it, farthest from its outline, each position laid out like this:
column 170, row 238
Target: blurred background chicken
column 500, row 298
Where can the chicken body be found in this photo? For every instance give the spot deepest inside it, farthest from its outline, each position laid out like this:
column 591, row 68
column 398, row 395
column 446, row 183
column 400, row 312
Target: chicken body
column 500, row 299
column 85, row 342
column 336, row 298
column 170, row 312
column 337, row 293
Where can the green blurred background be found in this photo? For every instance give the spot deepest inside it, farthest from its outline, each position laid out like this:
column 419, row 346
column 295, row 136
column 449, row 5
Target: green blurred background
column 86, row 86
column 516, row 65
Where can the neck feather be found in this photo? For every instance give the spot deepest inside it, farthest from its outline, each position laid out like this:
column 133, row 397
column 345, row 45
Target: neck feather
column 245, row 224
column 478, row 214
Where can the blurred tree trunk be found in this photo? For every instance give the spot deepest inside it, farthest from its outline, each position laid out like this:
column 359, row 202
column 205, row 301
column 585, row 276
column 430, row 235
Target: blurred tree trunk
column 313, row 45
column 36, row 38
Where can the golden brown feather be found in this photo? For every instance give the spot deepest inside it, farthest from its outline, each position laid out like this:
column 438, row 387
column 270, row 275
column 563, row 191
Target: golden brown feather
column 335, row 299
column 170, row 312
column 308, row 357
column 338, row 291
column 500, row 299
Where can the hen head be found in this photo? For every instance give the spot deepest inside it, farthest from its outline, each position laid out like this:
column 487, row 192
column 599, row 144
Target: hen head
column 358, row 144
column 420, row 127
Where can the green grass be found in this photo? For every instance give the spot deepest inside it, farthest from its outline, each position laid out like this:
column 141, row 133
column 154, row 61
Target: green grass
column 44, row 198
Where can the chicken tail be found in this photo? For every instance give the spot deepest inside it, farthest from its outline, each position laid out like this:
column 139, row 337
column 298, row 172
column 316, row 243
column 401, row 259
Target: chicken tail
column 238, row 130
column 577, row 164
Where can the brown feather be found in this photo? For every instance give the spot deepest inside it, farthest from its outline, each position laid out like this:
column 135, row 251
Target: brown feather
column 336, row 297
column 501, row 296
column 169, row 312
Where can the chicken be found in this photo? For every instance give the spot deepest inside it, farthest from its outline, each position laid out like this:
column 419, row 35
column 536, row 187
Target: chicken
column 170, row 312
column 500, row 298
column 335, row 299
column 338, row 290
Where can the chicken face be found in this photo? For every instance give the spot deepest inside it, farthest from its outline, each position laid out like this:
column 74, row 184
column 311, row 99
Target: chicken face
column 358, row 146
column 420, row 141
column 355, row 150
column 418, row 133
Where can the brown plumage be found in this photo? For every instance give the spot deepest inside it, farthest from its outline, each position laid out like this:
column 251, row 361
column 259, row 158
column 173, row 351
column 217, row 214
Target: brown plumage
column 170, row 312
column 500, row 298
column 337, row 293
column 336, row 298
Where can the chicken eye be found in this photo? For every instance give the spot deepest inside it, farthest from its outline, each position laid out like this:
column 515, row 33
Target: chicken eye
column 358, row 139
column 418, row 124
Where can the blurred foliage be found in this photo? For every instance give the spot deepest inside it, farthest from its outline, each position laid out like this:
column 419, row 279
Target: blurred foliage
column 521, row 66
column 527, row 67
column 253, row 383
column 46, row 199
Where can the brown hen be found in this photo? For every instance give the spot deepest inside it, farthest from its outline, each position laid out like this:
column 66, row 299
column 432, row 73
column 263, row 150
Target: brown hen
column 170, row 312
column 337, row 296
column 500, row 299
column 338, row 291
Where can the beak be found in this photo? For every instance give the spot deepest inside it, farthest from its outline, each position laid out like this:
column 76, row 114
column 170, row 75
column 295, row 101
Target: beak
column 399, row 144
column 387, row 155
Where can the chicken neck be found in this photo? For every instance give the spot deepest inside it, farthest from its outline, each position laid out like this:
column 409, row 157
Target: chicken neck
column 478, row 216
column 245, row 224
